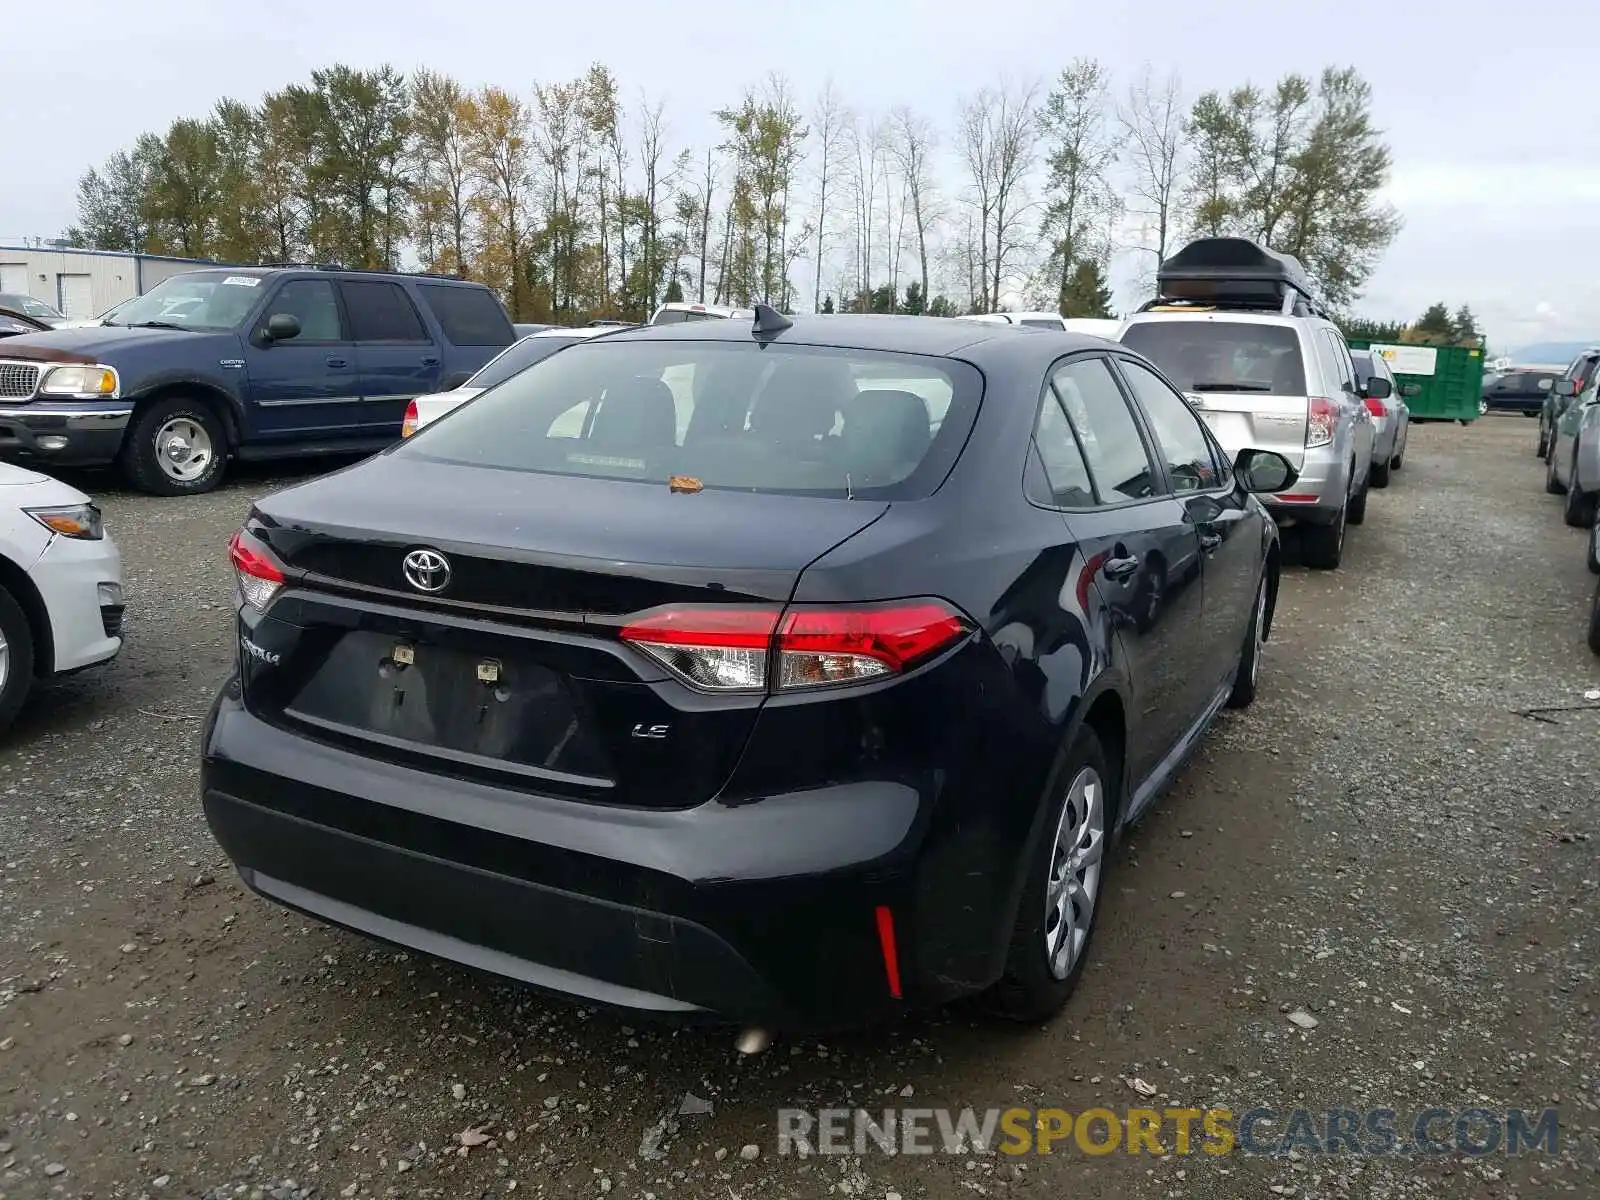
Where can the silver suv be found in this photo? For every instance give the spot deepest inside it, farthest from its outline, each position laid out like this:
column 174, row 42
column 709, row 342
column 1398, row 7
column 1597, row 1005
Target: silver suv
column 1236, row 328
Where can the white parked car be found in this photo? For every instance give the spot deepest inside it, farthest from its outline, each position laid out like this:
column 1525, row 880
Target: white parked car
column 679, row 311
column 523, row 352
column 60, row 585
column 1103, row 327
column 1034, row 320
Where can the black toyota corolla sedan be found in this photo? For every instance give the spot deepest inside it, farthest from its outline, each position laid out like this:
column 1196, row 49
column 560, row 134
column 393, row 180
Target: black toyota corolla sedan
column 786, row 673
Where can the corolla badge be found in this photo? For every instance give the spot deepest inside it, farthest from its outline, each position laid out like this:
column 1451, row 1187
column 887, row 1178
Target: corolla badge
column 427, row 570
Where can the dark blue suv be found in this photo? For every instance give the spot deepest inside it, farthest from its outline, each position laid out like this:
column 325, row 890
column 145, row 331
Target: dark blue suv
column 246, row 362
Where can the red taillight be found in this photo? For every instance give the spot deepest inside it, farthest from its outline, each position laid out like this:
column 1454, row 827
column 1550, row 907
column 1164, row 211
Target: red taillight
column 757, row 649
column 1376, row 407
column 409, row 425
column 891, row 955
column 1320, row 418
column 258, row 575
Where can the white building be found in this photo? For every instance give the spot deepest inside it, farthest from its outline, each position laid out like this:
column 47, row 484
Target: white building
column 85, row 283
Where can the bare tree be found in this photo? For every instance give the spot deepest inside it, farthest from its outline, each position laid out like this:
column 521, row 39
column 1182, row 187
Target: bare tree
column 660, row 183
column 998, row 146
column 832, row 121
column 865, row 180
column 912, row 144
column 1081, row 149
column 705, row 219
column 1153, row 120
column 974, row 134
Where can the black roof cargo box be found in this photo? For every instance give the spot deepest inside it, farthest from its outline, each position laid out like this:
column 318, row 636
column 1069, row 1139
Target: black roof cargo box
column 1234, row 271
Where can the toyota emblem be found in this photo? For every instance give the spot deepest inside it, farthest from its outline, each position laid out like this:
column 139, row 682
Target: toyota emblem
column 427, row 570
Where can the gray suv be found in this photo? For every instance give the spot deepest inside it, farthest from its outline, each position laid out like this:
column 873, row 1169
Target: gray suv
column 1236, row 328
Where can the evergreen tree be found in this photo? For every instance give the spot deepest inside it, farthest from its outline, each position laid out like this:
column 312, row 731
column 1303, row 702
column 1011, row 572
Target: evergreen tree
column 1086, row 293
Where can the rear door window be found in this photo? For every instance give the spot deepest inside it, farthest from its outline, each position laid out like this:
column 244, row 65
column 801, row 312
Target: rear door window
column 381, row 312
column 1180, row 437
column 788, row 419
column 1119, row 465
column 1222, row 356
column 1339, row 358
column 469, row 316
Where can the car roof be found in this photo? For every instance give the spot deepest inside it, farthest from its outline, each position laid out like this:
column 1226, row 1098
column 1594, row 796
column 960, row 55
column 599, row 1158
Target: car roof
column 862, row 331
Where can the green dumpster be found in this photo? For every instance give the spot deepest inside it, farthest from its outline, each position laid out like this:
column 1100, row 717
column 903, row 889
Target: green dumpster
column 1449, row 378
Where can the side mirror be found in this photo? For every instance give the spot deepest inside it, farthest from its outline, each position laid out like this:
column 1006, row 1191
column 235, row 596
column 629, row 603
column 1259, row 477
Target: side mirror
column 1264, row 471
column 454, row 380
column 1410, row 389
column 1566, row 387
column 1377, row 388
column 282, row 327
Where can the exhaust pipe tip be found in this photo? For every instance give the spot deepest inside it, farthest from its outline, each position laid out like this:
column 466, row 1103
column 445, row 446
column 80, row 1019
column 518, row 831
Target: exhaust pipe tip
column 752, row 1041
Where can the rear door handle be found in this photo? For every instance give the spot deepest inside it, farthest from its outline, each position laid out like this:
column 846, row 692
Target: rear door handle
column 430, row 362
column 335, row 361
column 1210, row 541
column 1121, row 568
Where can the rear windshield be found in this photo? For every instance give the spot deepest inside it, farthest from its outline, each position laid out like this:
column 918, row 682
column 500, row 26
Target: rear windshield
column 523, row 354
column 797, row 420
column 1222, row 356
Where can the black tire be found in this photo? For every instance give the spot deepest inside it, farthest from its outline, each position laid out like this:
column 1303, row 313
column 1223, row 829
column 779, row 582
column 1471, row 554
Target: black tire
column 1530, row 414
column 1029, row 990
column 1551, row 483
column 1380, row 474
column 1358, row 506
column 1255, row 635
column 1578, row 510
column 18, row 681
column 141, row 459
column 1594, row 622
column 1322, row 546
column 1594, row 548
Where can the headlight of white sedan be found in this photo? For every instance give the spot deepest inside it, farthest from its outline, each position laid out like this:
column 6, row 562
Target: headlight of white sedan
column 80, row 521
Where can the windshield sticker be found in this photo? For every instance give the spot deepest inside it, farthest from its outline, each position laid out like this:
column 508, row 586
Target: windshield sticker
column 242, row 280
column 601, row 460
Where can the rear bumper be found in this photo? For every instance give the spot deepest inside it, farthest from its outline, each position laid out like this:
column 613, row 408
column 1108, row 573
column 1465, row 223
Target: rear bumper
column 64, row 434
column 1318, row 494
column 759, row 913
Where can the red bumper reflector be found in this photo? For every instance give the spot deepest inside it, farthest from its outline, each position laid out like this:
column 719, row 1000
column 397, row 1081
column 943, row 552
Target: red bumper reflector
column 891, row 957
column 1296, row 498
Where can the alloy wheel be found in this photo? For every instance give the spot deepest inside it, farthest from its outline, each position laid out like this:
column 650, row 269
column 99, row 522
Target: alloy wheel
column 184, row 450
column 1073, row 887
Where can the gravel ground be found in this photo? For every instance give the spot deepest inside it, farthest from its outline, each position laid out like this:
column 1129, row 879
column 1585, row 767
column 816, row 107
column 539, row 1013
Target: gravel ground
column 1397, row 842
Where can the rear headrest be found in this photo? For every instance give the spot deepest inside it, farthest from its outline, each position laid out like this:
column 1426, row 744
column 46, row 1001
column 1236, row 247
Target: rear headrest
column 636, row 413
column 1286, row 374
column 800, row 402
column 886, row 433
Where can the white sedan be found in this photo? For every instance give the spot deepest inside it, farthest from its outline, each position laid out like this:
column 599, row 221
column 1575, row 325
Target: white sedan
column 522, row 353
column 60, row 585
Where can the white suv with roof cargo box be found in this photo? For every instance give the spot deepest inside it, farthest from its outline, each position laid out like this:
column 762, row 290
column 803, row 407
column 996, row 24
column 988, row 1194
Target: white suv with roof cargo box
column 1236, row 327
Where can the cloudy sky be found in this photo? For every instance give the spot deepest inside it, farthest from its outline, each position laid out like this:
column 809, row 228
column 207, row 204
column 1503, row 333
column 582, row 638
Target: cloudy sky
column 1488, row 112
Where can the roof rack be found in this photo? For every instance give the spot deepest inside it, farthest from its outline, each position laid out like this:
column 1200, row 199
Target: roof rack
column 315, row 266
column 1237, row 274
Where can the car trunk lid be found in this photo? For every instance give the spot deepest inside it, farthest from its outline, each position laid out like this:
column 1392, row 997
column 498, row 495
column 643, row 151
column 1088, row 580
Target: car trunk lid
column 512, row 668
